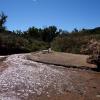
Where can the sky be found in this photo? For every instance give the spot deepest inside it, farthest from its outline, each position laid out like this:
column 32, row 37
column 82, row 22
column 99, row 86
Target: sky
column 65, row 14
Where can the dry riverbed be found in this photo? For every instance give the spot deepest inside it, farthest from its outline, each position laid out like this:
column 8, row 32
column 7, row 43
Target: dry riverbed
column 24, row 79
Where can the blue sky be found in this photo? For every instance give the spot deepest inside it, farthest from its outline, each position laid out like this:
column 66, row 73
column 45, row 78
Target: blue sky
column 65, row 14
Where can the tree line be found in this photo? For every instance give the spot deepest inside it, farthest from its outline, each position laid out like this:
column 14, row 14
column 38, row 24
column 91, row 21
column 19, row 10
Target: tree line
column 35, row 39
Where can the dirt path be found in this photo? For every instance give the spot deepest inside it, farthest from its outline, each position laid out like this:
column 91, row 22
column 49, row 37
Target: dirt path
column 28, row 80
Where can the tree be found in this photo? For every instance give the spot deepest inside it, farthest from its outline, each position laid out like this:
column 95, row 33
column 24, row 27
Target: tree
column 33, row 32
column 75, row 30
column 49, row 34
column 3, row 18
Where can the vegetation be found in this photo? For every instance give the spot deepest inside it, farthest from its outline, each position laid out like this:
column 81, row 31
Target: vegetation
column 94, row 48
column 35, row 39
column 75, row 41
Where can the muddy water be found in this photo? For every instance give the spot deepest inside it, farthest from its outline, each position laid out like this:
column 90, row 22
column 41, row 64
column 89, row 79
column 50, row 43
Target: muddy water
column 28, row 80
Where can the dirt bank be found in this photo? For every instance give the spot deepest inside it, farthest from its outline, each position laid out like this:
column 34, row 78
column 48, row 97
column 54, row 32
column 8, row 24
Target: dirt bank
column 63, row 59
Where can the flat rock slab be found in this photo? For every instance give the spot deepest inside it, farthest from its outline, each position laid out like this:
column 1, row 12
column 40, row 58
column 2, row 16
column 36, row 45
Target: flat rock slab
column 63, row 59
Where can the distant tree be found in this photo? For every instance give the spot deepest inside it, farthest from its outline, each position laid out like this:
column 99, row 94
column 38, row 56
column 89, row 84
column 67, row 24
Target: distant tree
column 49, row 34
column 3, row 18
column 33, row 32
column 75, row 30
